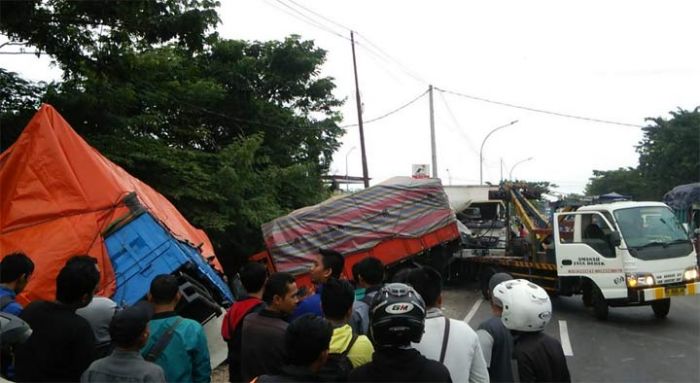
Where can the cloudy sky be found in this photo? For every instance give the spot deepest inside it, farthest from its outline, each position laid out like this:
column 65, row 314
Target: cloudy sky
column 618, row 61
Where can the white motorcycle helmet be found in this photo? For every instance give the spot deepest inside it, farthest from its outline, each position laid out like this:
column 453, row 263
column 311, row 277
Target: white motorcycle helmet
column 526, row 306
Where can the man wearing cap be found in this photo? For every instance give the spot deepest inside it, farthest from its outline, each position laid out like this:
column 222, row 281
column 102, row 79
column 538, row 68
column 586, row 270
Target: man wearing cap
column 496, row 341
column 129, row 332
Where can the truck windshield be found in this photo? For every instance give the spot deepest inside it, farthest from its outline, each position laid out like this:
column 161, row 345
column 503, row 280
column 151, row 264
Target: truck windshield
column 653, row 232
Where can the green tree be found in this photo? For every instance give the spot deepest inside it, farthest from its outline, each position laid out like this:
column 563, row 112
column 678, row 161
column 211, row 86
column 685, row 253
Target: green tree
column 18, row 101
column 234, row 133
column 79, row 34
column 669, row 155
column 626, row 181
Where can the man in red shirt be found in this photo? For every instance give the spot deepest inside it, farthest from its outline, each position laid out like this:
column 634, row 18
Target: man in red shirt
column 253, row 276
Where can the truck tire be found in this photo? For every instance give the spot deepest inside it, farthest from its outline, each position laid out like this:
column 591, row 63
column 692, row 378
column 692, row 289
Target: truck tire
column 600, row 306
column 484, row 277
column 587, row 294
column 661, row 307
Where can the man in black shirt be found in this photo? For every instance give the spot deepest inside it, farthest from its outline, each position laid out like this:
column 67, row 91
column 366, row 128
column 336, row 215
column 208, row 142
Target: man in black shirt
column 526, row 311
column 253, row 276
column 496, row 340
column 62, row 344
column 397, row 318
column 306, row 341
column 262, row 343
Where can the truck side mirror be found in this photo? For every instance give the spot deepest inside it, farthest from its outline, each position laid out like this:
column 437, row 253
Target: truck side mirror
column 686, row 227
column 615, row 238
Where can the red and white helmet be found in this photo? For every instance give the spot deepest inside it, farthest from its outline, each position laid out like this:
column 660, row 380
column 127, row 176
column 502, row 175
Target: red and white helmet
column 526, row 306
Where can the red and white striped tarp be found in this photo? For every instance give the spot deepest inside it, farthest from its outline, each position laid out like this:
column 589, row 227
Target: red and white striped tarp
column 400, row 207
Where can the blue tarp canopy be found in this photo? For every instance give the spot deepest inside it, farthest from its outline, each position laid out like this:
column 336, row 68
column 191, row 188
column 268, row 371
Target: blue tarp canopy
column 682, row 197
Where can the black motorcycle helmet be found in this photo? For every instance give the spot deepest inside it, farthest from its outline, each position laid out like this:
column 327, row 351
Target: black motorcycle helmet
column 397, row 316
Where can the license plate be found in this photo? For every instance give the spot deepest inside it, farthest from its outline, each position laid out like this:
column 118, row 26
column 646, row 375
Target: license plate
column 675, row 291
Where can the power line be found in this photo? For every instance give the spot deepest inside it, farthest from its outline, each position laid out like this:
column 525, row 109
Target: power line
column 370, row 48
column 530, row 109
column 20, row 53
column 387, row 114
column 305, row 18
column 459, row 130
column 387, row 56
column 384, row 67
column 380, row 53
column 319, row 15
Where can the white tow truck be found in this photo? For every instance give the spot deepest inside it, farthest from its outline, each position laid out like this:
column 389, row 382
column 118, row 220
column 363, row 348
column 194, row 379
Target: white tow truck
column 614, row 254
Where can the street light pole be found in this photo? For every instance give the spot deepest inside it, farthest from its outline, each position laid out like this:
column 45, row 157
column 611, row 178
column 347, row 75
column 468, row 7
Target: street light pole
column 347, row 183
column 481, row 151
column 510, row 175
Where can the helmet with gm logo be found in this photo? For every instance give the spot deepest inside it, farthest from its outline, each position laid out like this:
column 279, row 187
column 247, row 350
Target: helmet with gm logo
column 397, row 315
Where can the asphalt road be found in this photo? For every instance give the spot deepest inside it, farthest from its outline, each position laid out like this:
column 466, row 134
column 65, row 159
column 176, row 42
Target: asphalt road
column 631, row 346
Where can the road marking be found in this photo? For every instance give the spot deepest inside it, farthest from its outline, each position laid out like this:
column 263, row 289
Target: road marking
column 475, row 307
column 564, row 336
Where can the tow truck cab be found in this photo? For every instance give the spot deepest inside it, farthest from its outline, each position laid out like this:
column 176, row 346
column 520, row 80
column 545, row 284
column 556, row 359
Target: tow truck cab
column 626, row 254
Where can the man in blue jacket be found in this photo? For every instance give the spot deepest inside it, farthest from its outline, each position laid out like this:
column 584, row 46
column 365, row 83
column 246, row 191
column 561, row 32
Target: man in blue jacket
column 15, row 270
column 327, row 264
column 176, row 344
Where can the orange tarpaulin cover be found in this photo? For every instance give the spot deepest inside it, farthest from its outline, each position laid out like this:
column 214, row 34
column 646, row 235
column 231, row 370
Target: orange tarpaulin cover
column 57, row 194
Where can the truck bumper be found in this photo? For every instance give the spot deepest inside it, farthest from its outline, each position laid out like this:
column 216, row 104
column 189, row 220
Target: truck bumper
column 656, row 293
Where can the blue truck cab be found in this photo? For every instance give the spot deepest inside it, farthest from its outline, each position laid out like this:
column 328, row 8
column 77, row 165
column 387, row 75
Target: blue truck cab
column 140, row 248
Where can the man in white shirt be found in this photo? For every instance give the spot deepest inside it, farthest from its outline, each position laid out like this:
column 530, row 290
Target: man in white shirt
column 451, row 342
column 99, row 313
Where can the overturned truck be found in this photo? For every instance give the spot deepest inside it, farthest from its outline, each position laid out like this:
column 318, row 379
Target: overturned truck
column 60, row 197
column 400, row 220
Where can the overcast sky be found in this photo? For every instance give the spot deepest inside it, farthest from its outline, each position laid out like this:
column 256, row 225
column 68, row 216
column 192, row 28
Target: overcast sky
column 611, row 60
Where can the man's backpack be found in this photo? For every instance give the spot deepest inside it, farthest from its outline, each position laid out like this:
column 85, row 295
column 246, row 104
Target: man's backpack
column 338, row 365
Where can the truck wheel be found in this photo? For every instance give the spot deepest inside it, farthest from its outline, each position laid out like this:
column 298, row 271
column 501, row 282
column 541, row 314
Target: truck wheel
column 600, row 306
column 587, row 298
column 661, row 307
column 484, row 277
column 587, row 294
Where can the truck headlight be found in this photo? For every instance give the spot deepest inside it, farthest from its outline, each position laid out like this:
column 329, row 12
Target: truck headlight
column 635, row 280
column 691, row 274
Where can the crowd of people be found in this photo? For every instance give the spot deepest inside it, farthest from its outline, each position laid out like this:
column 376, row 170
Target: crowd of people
column 81, row 337
column 375, row 331
column 382, row 331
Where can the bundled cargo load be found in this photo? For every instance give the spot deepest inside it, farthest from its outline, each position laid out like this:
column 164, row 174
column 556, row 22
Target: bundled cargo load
column 685, row 202
column 61, row 197
column 392, row 221
column 683, row 197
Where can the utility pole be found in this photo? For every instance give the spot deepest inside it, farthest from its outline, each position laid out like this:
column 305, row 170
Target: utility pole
column 365, row 172
column 432, row 133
